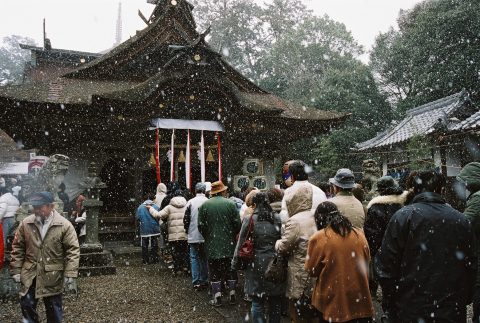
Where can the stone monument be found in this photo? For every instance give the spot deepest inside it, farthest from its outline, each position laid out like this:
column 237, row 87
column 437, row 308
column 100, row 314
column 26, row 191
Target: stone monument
column 94, row 260
column 371, row 174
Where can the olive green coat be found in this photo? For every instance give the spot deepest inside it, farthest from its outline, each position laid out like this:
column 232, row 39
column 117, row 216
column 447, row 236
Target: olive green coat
column 219, row 223
column 50, row 260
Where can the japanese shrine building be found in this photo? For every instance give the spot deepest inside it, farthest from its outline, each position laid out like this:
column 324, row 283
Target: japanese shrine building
column 104, row 108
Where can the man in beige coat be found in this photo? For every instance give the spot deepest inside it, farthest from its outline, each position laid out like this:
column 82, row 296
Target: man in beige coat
column 347, row 204
column 44, row 252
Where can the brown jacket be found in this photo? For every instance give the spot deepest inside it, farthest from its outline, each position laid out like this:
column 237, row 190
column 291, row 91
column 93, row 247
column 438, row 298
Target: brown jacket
column 50, row 260
column 341, row 265
column 298, row 229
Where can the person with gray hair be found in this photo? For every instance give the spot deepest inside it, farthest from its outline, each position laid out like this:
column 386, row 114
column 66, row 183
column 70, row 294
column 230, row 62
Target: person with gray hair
column 198, row 257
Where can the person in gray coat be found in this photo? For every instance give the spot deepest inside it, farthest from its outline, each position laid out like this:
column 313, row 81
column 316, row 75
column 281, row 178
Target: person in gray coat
column 266, row 231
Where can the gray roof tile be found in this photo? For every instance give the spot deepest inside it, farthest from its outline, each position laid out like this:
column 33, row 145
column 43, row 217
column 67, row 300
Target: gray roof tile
column 419, row 120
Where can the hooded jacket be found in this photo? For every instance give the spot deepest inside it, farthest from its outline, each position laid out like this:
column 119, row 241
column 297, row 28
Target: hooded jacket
column 470, row 175
column 318, row 196
column 299, row 227
column 425, row 265
column 161, row 193
column 173, row 214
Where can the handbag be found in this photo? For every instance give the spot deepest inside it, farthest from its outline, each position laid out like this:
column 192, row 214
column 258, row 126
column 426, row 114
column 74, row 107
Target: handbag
column 276, row 271
column 303, row 305
column 246, row 252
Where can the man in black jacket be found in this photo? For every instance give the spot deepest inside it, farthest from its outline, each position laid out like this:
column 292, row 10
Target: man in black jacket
column 425, row 264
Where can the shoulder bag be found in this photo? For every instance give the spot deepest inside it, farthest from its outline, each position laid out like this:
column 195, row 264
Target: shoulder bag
column 246, row 252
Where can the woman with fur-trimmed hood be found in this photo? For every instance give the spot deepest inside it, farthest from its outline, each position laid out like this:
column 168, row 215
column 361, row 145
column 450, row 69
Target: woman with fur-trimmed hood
column 380, row 209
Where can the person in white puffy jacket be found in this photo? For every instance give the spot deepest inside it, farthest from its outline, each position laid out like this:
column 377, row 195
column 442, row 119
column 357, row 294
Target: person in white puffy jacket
column 8, row 206
column 177, row 236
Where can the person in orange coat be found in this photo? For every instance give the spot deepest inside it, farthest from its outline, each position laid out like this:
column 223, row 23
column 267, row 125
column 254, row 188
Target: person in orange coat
column 338, row 255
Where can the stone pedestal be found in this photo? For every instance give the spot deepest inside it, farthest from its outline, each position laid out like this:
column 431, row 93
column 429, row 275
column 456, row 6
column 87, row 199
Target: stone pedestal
column 94, row 261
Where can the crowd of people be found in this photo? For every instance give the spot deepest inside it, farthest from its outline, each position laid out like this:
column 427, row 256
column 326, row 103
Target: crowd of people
column 337, row 248
column 330, row 250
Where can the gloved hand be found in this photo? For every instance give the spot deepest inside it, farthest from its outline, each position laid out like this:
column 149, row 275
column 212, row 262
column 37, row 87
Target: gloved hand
column 16, row 278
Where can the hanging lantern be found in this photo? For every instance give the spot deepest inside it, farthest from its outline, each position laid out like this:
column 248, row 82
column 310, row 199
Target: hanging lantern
column 152, row 161
column 181, row 157
column 210, row 156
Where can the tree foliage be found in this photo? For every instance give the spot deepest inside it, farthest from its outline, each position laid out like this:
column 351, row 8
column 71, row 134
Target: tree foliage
column 13, row 58
column 434, row 53
column 301, row 57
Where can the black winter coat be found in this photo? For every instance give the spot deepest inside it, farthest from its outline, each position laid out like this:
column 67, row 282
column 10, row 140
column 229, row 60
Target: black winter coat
column 379, row 211
column 426, row 262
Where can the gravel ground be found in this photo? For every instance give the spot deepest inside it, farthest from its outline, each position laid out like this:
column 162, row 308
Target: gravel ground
column 143, row 293
column 136, row 294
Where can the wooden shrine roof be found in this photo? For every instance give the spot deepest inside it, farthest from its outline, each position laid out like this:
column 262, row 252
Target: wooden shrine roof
column 160, row 66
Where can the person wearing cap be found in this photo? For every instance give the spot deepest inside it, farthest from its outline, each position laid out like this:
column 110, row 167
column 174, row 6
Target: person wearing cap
column 219, row 224
column 470, row 177
column 379, row 211
column 45, row 251
column 149, row 232
column 196, row 242
column 8, row 206
column 346, row 202
column 299, row 176
column 425, row 264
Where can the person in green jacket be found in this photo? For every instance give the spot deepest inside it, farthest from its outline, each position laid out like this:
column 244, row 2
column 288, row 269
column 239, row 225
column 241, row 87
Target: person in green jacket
column 470, row 176
column 219, row 224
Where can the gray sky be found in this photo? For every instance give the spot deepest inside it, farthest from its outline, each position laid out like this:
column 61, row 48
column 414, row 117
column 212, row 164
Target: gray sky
column 89, row 25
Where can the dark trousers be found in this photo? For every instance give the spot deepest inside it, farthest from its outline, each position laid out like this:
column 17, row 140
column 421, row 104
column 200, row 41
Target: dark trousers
column 180, row 255
column 152, row 256
column 219, row 270
column 53, row 307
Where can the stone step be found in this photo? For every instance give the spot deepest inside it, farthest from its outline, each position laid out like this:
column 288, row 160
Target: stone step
column 96, row 259
column 97, row 271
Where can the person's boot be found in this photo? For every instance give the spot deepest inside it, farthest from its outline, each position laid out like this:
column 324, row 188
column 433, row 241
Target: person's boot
column 232, row 298
column 216, row 293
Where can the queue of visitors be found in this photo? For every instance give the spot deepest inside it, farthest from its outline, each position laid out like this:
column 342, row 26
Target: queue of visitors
column 335, row 252
column 306, row 256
